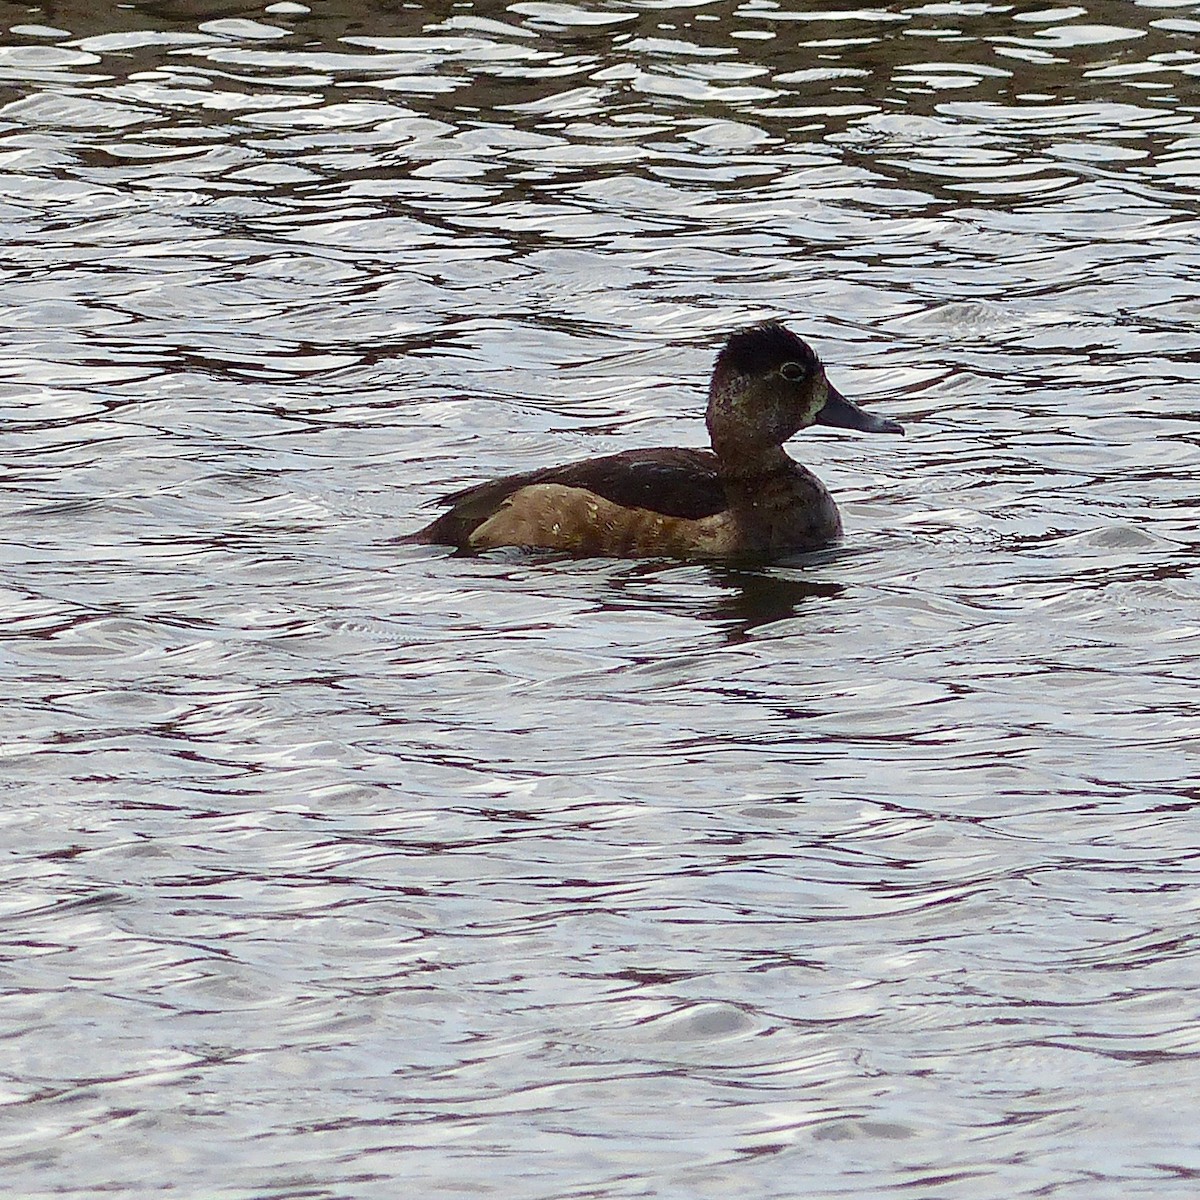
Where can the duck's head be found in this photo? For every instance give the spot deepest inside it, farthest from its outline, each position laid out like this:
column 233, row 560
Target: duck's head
column 767, row 385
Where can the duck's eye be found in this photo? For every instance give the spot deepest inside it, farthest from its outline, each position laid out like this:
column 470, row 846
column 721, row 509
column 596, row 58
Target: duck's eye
column 794, row 371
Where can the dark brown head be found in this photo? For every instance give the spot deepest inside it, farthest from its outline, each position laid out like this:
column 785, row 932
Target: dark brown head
column 767, row 385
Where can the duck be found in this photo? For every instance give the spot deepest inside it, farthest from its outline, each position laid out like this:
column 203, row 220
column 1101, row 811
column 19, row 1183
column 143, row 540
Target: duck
column 745, row 500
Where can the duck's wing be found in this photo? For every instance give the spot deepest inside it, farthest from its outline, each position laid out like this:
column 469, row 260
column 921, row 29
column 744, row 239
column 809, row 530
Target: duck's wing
column 674, row 482
column 668, row 480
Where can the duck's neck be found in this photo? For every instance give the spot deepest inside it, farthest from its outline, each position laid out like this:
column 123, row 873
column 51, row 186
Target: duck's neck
column 738, row 462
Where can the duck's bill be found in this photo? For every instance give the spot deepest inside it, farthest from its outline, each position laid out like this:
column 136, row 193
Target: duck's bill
column 844, row 414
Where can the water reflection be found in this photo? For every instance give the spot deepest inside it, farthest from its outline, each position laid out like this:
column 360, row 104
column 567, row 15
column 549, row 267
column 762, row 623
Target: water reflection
column 757, row 599
column 737, row 601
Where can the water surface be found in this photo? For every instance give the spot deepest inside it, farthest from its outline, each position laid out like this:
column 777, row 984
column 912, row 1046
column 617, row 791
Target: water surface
column 338, row 868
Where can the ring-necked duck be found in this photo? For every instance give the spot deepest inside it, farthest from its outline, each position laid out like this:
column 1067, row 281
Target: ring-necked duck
column 744, row 500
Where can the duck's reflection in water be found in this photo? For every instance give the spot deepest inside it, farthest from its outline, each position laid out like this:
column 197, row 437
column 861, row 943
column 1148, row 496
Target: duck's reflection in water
column 735, row 600
column 753, row 599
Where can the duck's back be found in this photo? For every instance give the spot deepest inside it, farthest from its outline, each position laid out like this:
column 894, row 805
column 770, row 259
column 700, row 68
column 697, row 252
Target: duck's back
column 630, row 495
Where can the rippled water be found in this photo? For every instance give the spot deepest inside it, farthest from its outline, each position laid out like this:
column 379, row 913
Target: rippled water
column 337, row 868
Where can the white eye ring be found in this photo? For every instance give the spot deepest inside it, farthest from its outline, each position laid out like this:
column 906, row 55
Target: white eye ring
column 793, row 371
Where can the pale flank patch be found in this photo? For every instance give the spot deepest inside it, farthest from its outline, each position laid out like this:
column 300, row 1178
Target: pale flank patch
column 552, row 516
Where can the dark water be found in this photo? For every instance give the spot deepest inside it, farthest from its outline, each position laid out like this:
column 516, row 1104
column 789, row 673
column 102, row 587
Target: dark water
column 343, row 869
